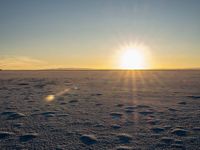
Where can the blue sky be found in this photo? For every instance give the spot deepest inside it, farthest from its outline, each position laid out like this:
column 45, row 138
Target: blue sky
column 86, row 33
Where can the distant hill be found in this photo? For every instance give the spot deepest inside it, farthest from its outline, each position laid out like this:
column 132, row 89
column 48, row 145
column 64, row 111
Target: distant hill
column 69, row 69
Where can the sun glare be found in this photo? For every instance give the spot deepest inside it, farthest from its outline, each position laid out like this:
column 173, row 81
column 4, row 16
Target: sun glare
column 132, row 58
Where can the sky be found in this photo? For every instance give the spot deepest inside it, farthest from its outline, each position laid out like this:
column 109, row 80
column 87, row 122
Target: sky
column 43, row 34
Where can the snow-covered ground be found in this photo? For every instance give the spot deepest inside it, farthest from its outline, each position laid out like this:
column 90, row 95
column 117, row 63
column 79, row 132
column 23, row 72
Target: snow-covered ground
column 114, row 110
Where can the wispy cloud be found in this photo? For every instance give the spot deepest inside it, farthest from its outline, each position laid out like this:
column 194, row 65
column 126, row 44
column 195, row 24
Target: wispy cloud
column 21, row 62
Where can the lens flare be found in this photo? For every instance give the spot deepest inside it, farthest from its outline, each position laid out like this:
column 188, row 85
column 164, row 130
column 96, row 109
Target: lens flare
column 50, row 98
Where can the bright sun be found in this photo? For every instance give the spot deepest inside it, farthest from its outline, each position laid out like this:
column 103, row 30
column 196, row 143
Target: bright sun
column 132, row 58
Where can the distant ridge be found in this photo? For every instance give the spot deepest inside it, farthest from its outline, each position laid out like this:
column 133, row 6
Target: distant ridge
column 62, row 69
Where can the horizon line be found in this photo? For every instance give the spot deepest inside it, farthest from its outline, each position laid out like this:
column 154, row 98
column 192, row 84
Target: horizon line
column 95, row 69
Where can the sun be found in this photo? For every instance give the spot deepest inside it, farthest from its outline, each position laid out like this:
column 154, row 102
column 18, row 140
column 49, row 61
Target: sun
column 132, row 58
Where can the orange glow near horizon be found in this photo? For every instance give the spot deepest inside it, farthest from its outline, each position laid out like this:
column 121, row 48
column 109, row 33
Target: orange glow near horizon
column 132, row 56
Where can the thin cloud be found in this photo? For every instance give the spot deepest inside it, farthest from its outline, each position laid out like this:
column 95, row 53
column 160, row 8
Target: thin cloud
column 21, row 62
